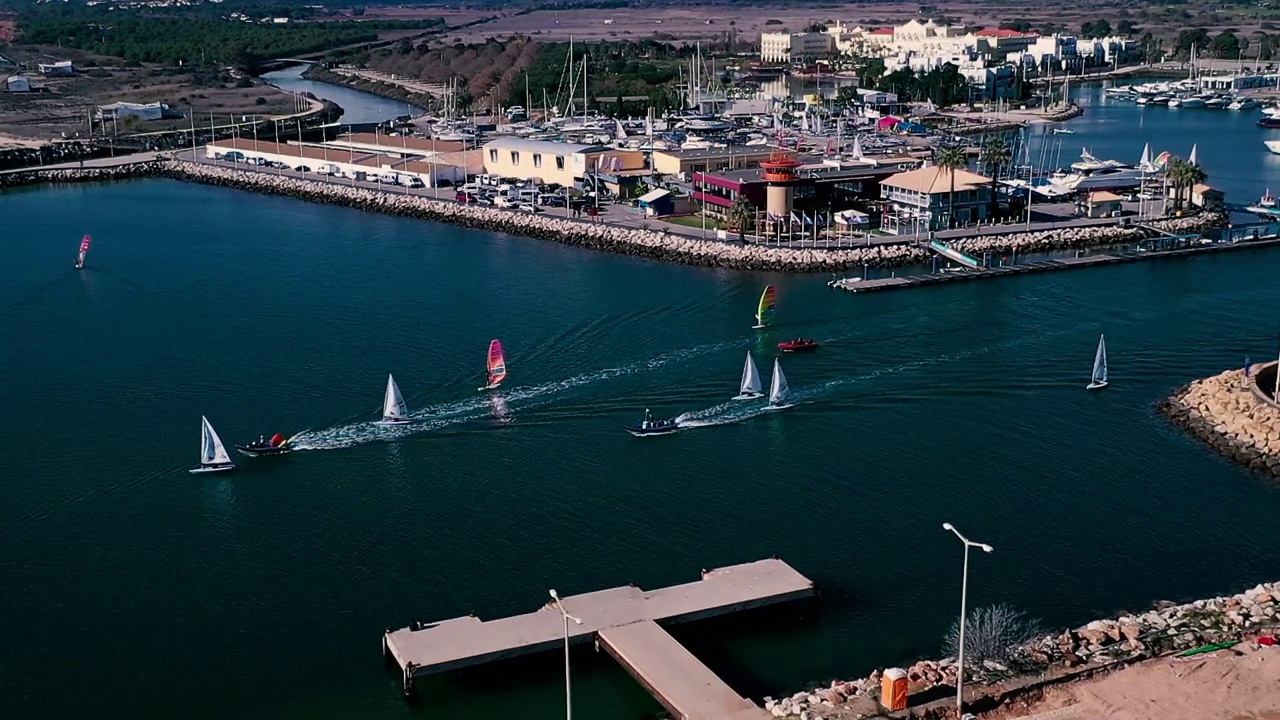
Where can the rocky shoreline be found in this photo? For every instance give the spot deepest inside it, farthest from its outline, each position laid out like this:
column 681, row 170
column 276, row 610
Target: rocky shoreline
column 1167, row 628
column 606, row 237
column 1227, row 412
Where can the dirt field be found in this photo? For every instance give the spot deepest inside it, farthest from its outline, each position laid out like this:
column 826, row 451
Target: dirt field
column 1228, row 685
column 66, row 102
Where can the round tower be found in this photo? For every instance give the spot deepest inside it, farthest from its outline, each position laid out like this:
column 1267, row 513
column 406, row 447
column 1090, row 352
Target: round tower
column 779, row 173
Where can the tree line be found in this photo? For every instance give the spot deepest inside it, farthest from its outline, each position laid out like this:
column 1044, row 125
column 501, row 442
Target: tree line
column 192, row 40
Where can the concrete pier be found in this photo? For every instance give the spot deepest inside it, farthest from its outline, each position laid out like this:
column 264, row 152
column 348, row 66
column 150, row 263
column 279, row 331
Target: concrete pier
column 685, row 683
column 857, row 285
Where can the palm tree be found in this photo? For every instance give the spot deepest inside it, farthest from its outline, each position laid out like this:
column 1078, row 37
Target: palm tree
column 740, row 215
column 995, row 155
column 951, row 158
column 1183, row 176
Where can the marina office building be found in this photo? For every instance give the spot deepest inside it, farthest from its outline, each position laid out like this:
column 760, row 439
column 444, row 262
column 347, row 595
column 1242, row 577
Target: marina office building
column 919, row 200
column 565, row 164
column 818, row 188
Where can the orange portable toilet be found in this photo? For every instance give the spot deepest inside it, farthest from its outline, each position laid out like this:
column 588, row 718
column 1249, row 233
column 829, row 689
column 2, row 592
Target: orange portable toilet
column 893, row 689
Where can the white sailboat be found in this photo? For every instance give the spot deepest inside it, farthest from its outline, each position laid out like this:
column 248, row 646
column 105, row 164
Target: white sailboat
column 394, row 411
column 779, row 393
column 1099, row 378
column 213, row 456
column 750, row 387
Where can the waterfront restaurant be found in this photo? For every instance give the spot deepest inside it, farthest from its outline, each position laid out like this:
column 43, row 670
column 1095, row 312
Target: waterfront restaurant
column 565, row 164
column 821, row 188
column 918, row 200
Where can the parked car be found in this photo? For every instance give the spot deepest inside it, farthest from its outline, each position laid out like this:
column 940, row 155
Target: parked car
column 411, row 181
column 466, row 197
column 503, row 201
column 530, row 208
column 302, row 168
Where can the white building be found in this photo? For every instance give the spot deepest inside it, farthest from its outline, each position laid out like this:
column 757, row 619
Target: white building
column 122, row 110
column 59, row 68
column 1061, row 51
column 1107, row 50
column 17, row 83
column 794, row 47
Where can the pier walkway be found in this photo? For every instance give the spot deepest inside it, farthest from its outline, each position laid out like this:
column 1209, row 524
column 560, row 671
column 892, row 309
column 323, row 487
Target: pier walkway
column 857, row 285
column 625, row 620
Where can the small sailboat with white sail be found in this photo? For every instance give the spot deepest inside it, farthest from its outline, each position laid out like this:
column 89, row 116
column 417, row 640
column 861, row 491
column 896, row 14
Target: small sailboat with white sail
column 84, row 252
column 750, row 387
column 213, row 455
column 1099, row 378
column 394, row 411
column 779, row 391
column 495, row 366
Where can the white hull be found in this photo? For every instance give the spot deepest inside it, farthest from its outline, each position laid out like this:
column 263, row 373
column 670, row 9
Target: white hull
column 1096, row 386
column 672, row 431
column 392, row 421
column 747, row 396
column 490, row 386
column 759, row 327
column 212, row 468
column 779, row 407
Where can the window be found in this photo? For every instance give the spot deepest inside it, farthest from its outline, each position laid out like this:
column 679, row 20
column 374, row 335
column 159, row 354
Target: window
column 493, row 155
column 559, row 162
column 515, row 157
column 537, row 160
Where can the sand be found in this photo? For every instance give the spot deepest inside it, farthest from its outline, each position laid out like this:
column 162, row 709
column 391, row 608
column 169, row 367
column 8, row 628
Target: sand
column 1229, row 685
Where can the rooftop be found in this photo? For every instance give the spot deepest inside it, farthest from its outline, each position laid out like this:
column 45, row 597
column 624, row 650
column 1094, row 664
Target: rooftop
column 546, row 146
column 760, row 151
column 934, row 180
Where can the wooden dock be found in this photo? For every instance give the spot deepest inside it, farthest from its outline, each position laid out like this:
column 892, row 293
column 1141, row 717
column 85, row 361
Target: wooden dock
column 858, row 285
column 625, row 621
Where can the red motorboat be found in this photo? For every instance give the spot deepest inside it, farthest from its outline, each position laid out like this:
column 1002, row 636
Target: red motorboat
column 798, row 345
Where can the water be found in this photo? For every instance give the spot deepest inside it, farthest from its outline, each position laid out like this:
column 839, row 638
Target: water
column 358, row 107
column 137, row 590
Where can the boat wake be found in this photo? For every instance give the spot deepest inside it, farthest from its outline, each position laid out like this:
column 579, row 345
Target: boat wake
column 458, row 412
column 736, row 411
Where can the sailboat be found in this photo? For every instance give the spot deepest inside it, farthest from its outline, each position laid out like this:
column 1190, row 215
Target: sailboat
column 1099, row 378
column 497, row 366
column 768, row 303
column 779, row 393
column 394, row 411
column 213, row 456
column 84, row 252
column 750, row 387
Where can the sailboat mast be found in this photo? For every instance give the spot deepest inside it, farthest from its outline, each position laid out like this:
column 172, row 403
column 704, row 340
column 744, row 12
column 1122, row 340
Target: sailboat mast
column 584, row 85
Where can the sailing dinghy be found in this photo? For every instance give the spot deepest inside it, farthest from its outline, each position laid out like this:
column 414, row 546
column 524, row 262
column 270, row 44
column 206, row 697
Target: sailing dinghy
column 84, row 252
column 497, row 366
column 394, row 411
column 750, row 387
column 213, row 456
column 765, row 310
column 1099, row 378
column 779, row 392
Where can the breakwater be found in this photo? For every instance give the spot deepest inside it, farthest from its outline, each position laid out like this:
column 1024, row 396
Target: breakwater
column 1233, row 415
column 1102, row 644
column 127, row 171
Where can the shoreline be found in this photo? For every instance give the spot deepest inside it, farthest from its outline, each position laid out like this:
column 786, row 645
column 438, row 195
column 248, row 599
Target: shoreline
column 604, row 237
column 1227, row 412
column 1056, row 658
column 418, row 101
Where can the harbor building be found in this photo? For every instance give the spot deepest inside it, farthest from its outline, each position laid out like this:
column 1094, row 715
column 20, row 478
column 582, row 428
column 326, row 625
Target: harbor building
column 817, row 187
column 684, row 163
column 322, row 159
column 802, row 47
column 565, row 164
column 17, row 84
column 919, row 200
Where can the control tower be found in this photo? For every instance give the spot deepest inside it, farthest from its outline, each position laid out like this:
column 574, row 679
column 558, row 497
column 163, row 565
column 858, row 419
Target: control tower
column 780, row 174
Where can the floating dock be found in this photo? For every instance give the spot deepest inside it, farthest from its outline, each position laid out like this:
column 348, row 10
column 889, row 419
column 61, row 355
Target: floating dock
column 624, row 619
column 858, row 285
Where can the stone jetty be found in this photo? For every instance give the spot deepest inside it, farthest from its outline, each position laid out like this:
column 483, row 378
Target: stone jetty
column 607, row 237
column 1233, row 415
column 1166, row 628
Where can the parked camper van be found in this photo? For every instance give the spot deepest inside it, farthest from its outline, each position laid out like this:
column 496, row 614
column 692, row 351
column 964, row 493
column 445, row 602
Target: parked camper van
column 412, row 181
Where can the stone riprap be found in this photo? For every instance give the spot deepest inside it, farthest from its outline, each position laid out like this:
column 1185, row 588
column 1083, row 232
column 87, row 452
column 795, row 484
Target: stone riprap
column 1165, row 629
column 607, row 237
column 1229, row 415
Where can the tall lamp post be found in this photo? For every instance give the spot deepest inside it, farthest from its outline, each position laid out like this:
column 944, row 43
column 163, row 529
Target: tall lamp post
column 964, row 587
column 568, row 697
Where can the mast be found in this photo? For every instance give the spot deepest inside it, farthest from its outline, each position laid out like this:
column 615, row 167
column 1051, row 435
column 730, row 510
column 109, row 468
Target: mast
column 584, row 86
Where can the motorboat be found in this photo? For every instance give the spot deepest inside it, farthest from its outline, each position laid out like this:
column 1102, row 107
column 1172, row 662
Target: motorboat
column 1269, row 121
column 798, row 345
column 1063, row 131
column 1243, row 103
column 1088, row 163
column 1106, row 179
column 1273, row 146
column 649, row 427
column 1266, row 206
column 1191, row 102
column 276, row 445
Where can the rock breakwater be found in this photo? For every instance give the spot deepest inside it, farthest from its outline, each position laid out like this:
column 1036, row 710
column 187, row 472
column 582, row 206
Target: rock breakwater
column 1227, row 413
column 1167, row 628
column 77, row 175
column 648, row 243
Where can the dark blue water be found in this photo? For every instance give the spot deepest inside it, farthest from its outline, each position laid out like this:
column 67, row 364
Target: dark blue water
column 134, row 589
column 358, row 107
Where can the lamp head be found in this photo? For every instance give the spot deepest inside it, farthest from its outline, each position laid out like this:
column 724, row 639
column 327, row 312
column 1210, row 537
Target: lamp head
column 986, row 548
column 947, row 526
column 553, row 594
column 578, row 620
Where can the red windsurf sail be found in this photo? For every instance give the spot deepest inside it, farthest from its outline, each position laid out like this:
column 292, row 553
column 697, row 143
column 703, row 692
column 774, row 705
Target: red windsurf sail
column 497, row 363
column 84, row 251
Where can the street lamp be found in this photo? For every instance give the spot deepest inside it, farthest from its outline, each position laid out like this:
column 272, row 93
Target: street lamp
column 964, row 587
column 568, row 698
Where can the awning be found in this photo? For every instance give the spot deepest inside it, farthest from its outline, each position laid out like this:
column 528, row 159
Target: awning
column 654, row 195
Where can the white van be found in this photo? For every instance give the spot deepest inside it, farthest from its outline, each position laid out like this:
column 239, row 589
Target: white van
column 389, row 178
column 412, row 181
column 328, row 169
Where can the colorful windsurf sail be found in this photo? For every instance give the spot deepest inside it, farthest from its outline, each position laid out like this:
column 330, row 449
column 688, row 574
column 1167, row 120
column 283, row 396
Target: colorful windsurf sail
column 768, row 304
column 497, row 363
column 84, row 251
